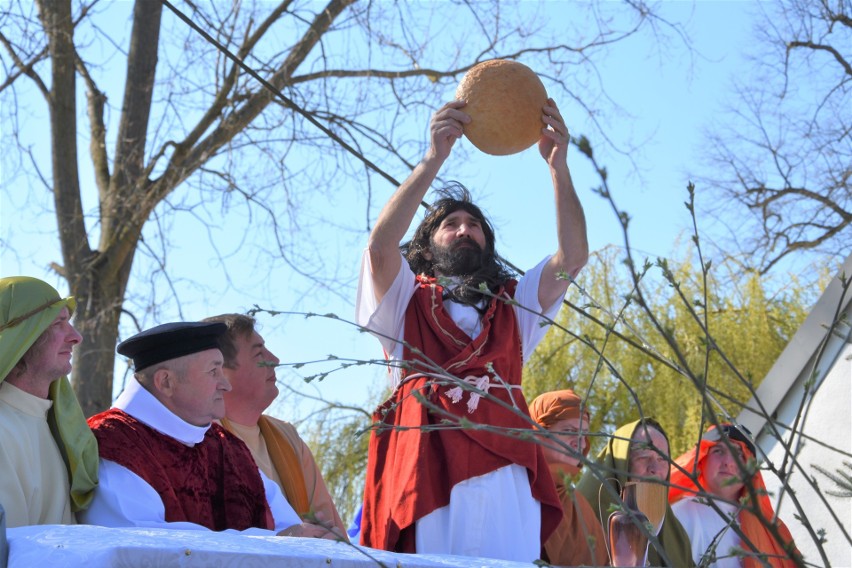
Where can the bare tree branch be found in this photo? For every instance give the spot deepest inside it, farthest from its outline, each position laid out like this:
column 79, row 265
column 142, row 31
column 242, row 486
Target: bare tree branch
column 97, row 145
column 56, row 18
column 847, row 67
column 787, row 158
column 24, row 68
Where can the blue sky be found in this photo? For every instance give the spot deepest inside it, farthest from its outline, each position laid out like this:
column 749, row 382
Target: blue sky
column 666, row 103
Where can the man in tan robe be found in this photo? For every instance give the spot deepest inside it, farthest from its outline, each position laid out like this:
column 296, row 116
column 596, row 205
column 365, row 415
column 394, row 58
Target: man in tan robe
column 579, row 538
column 48, row 455
column 276, row 446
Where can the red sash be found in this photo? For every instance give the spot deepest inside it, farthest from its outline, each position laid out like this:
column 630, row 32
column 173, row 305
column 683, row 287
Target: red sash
column 410, row 471
column 214, row 483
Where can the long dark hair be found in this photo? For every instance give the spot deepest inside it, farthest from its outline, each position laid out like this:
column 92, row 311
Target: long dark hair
column 451, row 198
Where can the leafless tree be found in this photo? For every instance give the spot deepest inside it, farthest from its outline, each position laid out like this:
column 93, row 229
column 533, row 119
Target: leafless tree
column 195, row 137
column 785, row 150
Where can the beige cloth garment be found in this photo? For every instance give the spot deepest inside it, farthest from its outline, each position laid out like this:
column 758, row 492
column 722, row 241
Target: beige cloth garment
column 320, row 499
column 34, row 487
column 250, row 435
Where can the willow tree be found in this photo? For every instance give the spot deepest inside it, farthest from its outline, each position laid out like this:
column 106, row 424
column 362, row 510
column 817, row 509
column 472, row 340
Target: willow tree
column 610, row 352
column 172, row 128
column 343, row 457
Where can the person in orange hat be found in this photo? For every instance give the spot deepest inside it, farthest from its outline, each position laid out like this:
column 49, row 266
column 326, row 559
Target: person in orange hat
column 713, row 490
column 579, row 538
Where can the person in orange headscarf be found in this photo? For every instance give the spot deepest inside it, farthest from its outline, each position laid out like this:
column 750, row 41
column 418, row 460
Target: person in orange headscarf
column 709, row 494
column 579, row 538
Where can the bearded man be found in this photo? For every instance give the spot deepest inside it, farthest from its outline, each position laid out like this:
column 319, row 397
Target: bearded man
column 456, row 329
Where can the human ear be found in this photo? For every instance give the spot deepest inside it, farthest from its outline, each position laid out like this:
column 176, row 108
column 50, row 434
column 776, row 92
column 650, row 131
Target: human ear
column 164, row 381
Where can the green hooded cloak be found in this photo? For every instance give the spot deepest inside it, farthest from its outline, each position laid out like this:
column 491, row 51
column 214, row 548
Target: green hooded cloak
column 28, row 307
column 612, row 463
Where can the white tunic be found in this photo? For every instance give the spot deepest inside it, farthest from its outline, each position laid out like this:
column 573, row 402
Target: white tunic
column 703, row 524
column 468, row 525
column 123, row 499
column 34, row 487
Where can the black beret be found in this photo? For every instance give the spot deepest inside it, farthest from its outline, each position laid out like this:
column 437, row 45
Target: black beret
column 170, row 341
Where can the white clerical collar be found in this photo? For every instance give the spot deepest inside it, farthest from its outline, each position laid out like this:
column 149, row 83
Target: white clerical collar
column 136, row 401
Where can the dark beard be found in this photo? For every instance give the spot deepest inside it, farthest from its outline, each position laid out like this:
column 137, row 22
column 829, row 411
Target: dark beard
column 466, row 261
column 463, row 257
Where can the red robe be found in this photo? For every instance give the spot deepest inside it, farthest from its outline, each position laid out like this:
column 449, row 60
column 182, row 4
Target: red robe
column 214, row 483
column 410, row 472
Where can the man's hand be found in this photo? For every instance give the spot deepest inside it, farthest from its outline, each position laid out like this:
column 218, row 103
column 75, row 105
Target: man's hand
column 553, row 143
column 446, row 127
column 308, row 530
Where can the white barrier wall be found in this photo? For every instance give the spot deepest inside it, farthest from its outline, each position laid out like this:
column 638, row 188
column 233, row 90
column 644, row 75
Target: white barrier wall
column 59, row 546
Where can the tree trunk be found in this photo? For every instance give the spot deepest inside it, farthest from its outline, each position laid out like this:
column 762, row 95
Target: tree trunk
column 99, row 299
column 98, row 278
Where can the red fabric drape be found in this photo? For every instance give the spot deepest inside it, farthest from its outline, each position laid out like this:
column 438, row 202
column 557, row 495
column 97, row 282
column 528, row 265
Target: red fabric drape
column 410, row 472
column 214, row 483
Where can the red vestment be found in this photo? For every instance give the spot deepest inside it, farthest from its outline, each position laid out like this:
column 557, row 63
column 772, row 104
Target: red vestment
column 411, row 471
column 214, row 483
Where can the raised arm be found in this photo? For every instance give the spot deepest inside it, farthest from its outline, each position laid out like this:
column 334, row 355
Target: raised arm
column 573, row 251
column 396, row 216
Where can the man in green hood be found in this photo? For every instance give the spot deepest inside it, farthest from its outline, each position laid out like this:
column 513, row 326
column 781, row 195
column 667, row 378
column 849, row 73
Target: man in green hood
column 637, row 451
column 48, row 455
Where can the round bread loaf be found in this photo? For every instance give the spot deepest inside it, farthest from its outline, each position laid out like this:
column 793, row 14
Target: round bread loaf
column 504, row 100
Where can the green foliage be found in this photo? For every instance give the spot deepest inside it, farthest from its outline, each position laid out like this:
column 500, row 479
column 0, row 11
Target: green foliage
column 339, row 443
column 747, row 326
